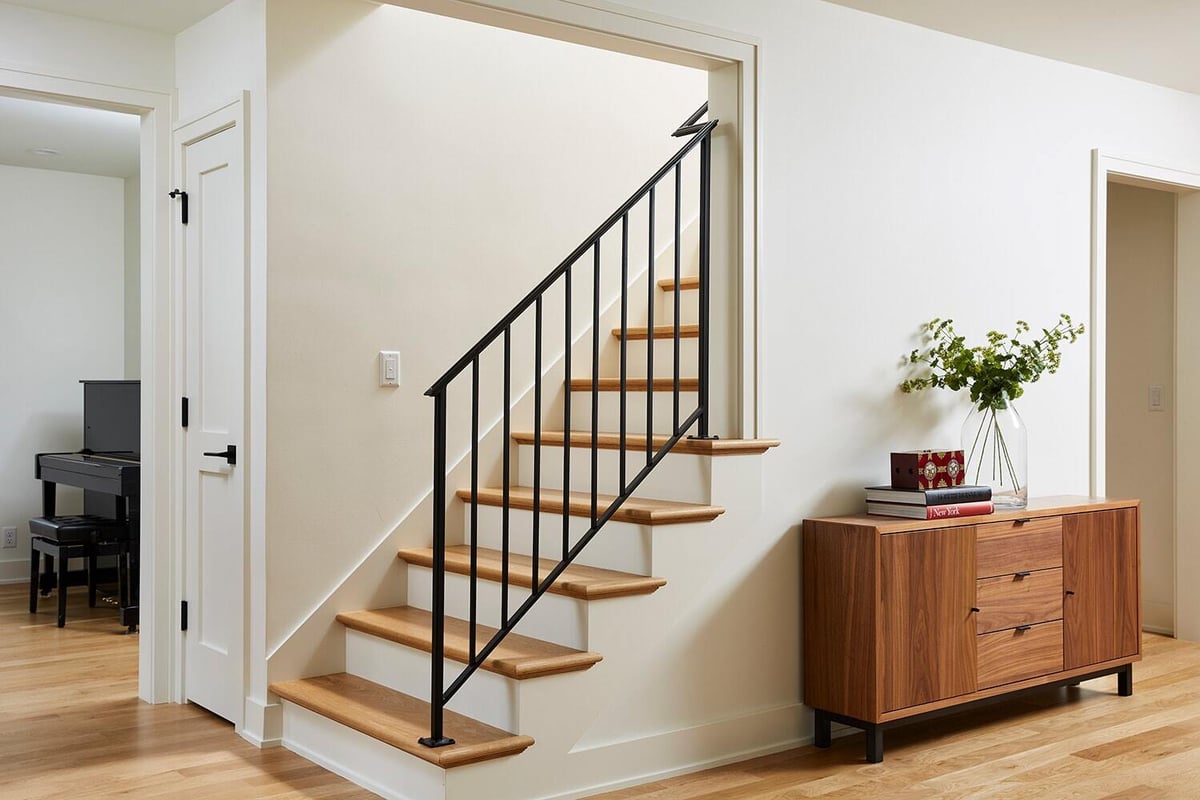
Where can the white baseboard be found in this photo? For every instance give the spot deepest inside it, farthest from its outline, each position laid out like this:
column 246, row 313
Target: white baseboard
column 14, row 571
column 1158, row 618
column 263, row 725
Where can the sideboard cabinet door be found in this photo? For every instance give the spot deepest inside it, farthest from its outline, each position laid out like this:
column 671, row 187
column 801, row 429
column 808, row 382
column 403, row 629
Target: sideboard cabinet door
column 927, row 585
column 1101, row 573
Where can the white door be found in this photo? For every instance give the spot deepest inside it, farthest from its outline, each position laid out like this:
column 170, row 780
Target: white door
column 211, row 171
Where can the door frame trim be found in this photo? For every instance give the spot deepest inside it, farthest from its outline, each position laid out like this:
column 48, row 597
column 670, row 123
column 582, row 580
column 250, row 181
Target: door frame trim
column 232, row 114
column 1105, row 165
column 155, row 652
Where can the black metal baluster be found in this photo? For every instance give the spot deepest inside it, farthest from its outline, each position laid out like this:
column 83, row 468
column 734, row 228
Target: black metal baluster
column 650, row 286
column 438, row 649
column 705, row 188
column 675, row 296
column 624, row 340
column 474, row 503
column 504, row 505
column 595, row 375
column 566, row 481
column 537, row 434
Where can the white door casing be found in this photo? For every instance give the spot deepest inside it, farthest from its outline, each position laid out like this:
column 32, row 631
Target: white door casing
column 211, row 169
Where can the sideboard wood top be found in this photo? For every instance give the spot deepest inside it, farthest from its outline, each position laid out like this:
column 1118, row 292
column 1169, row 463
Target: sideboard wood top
column 1038, row 507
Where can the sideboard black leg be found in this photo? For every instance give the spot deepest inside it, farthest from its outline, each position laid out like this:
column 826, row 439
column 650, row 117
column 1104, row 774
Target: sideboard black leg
column 874, row 743
column 1125, row 681
column 822, row 729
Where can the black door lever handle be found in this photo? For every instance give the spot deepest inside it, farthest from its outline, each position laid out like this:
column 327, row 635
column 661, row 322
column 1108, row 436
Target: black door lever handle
column 229, row 454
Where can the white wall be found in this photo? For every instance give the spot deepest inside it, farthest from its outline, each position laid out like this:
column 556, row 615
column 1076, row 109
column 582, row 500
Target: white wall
column 1141, row 352
column 70, row 47
column 62, row 319
column 133, row 278
column 425, row 173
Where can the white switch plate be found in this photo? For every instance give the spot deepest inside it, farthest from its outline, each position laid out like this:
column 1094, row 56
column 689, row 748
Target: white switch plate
column 389, row 368
column 1156, row 398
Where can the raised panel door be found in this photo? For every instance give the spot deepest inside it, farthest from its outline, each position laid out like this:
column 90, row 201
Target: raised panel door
column 1101, row 574
column 927, row 583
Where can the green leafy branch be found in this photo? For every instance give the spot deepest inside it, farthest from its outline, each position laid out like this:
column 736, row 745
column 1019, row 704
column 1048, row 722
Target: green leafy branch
column 993, row 373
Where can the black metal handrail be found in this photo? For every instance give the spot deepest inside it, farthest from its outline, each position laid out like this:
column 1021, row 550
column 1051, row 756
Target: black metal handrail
column 700, row 136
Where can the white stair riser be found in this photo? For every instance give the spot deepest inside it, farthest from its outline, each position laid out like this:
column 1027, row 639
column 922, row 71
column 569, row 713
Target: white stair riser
column 636, row 358
column 689, row 307
column 677, row 477
column 486, row 696
column 609, row 411
column 619, row 545
column 554, row 618
column 379, row 767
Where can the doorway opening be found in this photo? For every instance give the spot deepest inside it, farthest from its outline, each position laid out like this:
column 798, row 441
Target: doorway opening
column 1145, row 292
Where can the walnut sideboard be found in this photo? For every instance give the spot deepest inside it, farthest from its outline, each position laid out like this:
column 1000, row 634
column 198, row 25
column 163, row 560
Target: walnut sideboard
column 906, row 619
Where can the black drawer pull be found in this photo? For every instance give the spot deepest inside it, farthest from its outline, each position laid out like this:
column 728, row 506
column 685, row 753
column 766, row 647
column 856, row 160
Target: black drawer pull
column 1022, row 520
column 1069, row 592
column 1023, row 628
column 1022, row 574
column 974, row 610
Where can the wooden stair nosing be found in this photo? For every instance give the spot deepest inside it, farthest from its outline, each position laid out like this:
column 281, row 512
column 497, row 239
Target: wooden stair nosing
column 518, row 657
column 637, row 441
column 663, row 385
column 579, row 581
column 640, row 332
column 399, row 719
column 638, row 510
column 686, row 282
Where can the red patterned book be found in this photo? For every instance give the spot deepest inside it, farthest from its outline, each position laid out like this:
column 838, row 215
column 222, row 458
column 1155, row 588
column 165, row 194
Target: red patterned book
column 931, row 512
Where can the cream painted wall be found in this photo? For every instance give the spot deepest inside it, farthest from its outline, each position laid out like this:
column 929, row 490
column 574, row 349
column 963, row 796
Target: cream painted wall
column 62, row 285
column 133, row 278
column 425, row 174
column 70, row 47
column 1141, row 352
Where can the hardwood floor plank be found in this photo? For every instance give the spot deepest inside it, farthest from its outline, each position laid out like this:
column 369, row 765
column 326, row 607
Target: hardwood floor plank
column 72, row 726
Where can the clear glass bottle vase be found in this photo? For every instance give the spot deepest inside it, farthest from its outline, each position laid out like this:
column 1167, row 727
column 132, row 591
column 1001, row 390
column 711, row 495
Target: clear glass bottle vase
column 995, row 444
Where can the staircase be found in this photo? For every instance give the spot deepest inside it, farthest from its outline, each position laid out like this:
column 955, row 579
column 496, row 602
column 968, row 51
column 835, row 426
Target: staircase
column 556, row 570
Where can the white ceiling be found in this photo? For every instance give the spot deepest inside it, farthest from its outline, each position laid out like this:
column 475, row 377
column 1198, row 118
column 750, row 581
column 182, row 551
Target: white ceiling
column 1150, row 40
column 88, row 140
column 164, row 16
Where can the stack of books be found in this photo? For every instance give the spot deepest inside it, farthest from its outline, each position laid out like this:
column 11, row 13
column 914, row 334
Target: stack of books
column 950, row 501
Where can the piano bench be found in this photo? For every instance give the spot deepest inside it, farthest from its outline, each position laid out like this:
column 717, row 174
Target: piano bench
column 65, row 538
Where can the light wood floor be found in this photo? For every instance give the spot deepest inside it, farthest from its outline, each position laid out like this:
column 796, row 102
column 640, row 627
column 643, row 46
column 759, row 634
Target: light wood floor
column 1085, row 744
column 71, row 725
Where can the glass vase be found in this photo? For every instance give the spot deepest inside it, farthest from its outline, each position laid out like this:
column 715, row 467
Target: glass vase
column 995, row 444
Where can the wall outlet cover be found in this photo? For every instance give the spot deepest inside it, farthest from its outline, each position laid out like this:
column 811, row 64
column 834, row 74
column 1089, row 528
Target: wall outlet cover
column 8, row 537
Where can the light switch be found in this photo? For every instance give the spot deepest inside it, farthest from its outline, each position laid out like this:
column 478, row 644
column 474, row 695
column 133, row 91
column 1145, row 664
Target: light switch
column 389, row 368
column 1156, row 398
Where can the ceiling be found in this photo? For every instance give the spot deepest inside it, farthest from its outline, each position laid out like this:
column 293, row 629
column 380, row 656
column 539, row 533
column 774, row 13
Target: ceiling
column 164, row 16
column 1150, row 40
column 87, row 139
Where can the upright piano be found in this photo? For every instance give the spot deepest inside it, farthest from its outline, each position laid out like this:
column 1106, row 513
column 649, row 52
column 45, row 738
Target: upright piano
column 108, row 468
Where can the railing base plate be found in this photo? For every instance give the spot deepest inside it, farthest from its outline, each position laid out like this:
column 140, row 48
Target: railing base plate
column 429, row 741
column 710, row 438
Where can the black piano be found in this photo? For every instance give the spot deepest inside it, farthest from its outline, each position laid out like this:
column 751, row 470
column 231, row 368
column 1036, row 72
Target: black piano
column 108, row 468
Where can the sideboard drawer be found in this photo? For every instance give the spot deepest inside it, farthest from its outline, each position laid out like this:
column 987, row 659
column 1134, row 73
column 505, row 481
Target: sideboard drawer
column 1011, row 600
column 1003, row 548
column 1013, row 655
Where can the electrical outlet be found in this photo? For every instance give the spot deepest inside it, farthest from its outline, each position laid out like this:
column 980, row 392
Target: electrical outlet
column 10, row 538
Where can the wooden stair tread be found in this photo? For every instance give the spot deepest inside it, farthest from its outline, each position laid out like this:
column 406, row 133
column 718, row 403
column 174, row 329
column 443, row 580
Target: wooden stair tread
column 685, row 282
column 516, row 656
column 634, row 384
column 578, row 580
column 637, row 441
column 688, row 331
column 638, row 510
column 399, row 719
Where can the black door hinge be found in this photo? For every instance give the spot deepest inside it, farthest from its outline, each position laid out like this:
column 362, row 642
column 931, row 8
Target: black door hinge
column 183, row 412
column 182, row 195
column 183, row 615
